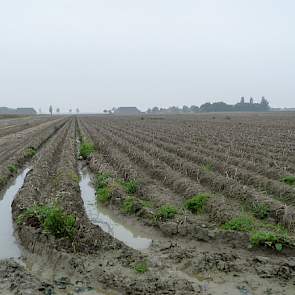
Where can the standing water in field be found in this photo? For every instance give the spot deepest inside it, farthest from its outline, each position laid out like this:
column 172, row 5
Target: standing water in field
column 106, row 220
column 8, row 244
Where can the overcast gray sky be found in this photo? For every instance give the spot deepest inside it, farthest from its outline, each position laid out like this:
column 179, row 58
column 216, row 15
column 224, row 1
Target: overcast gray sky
column 98, row 54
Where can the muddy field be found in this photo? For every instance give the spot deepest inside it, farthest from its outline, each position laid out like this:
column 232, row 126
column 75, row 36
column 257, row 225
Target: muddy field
column 201, row 204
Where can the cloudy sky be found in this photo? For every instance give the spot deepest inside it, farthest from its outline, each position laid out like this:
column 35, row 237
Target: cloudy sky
column 96, row 54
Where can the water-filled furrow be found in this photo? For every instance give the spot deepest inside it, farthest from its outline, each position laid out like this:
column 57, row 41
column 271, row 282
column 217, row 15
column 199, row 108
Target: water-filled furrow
column 106, row 219
column 8, row 245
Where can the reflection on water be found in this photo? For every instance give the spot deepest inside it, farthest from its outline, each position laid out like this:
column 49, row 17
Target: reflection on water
column 8, row 245
column 106, row 220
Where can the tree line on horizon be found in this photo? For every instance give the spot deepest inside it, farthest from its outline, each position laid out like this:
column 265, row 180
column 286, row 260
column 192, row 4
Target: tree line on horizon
column 242, row 106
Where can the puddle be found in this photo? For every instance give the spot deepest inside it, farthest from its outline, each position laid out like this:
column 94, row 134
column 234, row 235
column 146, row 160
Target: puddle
column 106, row 219
column 8, row 244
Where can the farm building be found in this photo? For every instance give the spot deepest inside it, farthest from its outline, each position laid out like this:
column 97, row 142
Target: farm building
column 127, row 111
column 18, row 111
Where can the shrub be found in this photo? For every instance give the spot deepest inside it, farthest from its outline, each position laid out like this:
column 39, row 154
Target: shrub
column 86, row 149
column 12, row 169
column 30, row 152
column 261, row 211
column 166, row 212
column 197, row 203
column 130, row 186
column 289, row 179
column 242, row 223
column 269, row 239
column 129, row 205
column 103, row 194
column 101, row 180
column 141, row 267
column 52, row 218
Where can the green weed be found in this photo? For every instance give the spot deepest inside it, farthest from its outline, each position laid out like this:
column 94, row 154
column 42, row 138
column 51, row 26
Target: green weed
column 12, row 169
column 289, row 179
column 30, row 152
column 52, row 218
column 86, row 149
column 166, row 212
column 103, row 194
column 197, row 203
column 102, row 180
column 269, row 239
column 141, row 267
column 131, row 186
column 260, row 211
column 207, row 167
column 129, row 205
column 242, row 223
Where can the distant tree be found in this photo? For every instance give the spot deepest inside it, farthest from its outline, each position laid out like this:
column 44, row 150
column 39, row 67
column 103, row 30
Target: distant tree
column 205, row 107
column 70, row 111
column 251, row 100
column 58, row 110
column 242, row 100
column 77, row 110
column 149, row 111
column 194, row 109
column 155, row 109
column 264, row 103
column 185, row 109
column 50, row 110
column 105, row 111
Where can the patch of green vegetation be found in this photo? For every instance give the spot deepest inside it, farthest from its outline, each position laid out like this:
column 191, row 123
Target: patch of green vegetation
column 260, row 211
column 207, row 167
column 30, row 152
column 103, row 194
column 102, row 180
column 289, row 179
column 197, row 203
column 129, row 205
column 141, row 267
column 146, row 204
column 52, row 218
column 241, row 223
column 269, row 239
column 166, row 212
column 131, row 186
column 12, row 168
column 86, row 149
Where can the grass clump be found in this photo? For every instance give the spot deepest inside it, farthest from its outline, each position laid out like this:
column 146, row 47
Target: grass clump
column 289, row 179
column 269, row 239
column 131, row 186
column 52, row 219
column 166, row 212
column 129, row 205
column 86, row 149
column 12, row 169
column 103, row 194
column 102, row 180
column 141, row 267
column 197, row 203
column 241, row 223
column 260, row 211
column 207, row 167
column 30, row 152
